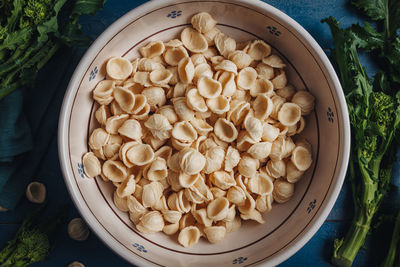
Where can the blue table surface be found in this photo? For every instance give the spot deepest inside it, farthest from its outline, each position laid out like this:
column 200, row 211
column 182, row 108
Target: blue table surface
column 93, row 252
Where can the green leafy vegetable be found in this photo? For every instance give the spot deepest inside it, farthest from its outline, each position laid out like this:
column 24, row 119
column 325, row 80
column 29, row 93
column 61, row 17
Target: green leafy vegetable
column 31, row 31
column 374, row 110
column 32, row 241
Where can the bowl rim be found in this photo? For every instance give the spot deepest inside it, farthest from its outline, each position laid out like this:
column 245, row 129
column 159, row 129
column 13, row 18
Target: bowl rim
column 137, row 12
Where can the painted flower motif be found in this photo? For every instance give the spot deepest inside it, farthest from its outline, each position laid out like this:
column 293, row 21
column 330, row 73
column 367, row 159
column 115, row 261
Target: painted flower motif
column 93, row 73
column 80, row 170
column 311, row 206
column 239, row 260
column 330, row 115
column 174, row 14
column 140, row 247
column 273, row 30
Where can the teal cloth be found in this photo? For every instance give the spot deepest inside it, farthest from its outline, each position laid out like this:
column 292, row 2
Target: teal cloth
column 15, row 134
column 28, row 121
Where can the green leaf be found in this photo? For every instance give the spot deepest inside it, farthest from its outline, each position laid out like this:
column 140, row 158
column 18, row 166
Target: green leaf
column 394, row 16
column 71, row 35
column 15, row 39
column 382, row 83
column 12, row 20
column 393, row 57
column 89, row 7
column 375, row 9
column 51, row 25
column 58, row 4
column 367, row 37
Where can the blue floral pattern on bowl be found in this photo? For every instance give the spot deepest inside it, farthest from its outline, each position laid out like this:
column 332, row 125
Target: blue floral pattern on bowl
column 93, row 73
column 239, row 260
column 273, row 30
column 139, row 247
column 80, row 170
column 175, row 13
column 311, row 206
column 330, row 115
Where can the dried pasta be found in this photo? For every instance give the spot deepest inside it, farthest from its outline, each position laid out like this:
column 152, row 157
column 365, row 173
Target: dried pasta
column 196, row 135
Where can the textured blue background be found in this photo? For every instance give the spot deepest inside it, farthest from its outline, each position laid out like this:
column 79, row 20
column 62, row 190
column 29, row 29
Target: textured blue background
column 93, row 252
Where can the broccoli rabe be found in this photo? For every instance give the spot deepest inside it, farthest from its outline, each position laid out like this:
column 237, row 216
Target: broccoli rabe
column 374, row 112
column 37, row 11
column 31, row 243
column 31, row 31
column 33, row 246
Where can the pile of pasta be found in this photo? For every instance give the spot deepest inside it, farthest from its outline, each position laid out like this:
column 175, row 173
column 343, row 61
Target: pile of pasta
column 197, row 134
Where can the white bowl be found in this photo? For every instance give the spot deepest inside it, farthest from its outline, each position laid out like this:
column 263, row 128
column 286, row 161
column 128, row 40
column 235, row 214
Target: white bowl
column 288, row 226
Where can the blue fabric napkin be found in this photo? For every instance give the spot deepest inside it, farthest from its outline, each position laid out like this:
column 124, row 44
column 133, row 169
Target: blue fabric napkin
column 15, row 134
column 28, row 123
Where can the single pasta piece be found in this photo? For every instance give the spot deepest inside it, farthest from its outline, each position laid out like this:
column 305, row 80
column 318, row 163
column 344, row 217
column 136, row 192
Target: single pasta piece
column 78, row 230
column 76, row 264
column 36, row 192
column 91, row 165
column 283, row 191
column 215, row 234
column 153, row 49
column 189, row 236
column 119, row 68
column 203, row 22
column 193, row 40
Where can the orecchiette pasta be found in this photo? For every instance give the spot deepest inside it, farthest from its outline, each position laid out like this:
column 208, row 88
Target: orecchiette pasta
column 215, row 234
column 127, row 187
column 78, row 230
column 151, row 222
column 224, row 44
column 76, row 264
column 260, row 184
column 115, row 171
column 119, row 68
column 232, row 158
column 193, row 40
column 301, row 158
column 283, row 190
column 305, row 101
column 240, row 58
column 91, row 165
column 259, row 49
column 140, row 154
column 173, row 55
column 208, row 87
column 102, row 114
column 131, row 129
column 155, row 97
column 36, row 192
column 191, row 161
column 203, row 22
column 189, row 236
column 246, row 78
column 152, row 49
column 196, row 134
column 218, row 209
column 222, row 179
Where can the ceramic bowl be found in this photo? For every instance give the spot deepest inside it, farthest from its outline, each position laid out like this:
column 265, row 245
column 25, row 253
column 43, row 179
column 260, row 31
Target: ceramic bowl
column 288, row 226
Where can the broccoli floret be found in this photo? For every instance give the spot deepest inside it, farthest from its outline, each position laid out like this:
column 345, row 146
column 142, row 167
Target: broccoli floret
column 33, row 246
column 3, row 32
column 368, row 148
column 24, row 23
column 37, row 11
column 31, row 243
column 382, row 112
